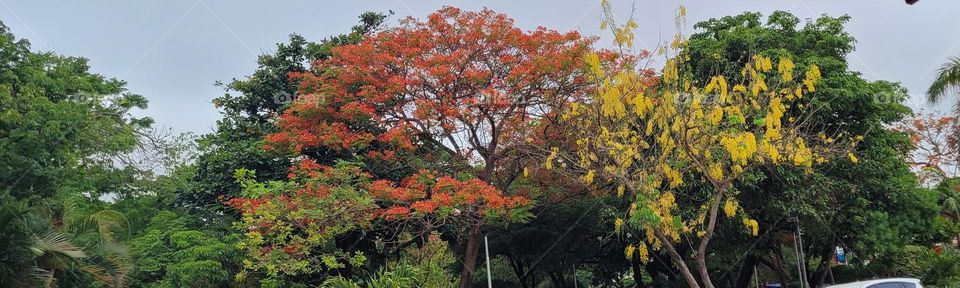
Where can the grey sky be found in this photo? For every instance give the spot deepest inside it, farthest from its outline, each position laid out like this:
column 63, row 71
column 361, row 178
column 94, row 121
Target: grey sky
column 173, row 51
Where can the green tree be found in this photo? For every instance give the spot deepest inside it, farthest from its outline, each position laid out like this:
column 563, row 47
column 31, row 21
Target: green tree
column 873, row 206
column 172, row 252
column 57, row 119
column 61, row 127
column 248, row 106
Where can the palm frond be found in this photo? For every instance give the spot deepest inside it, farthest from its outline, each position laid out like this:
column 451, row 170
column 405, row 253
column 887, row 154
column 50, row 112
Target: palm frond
column 948, row 78
column 339, row 282
column 110, row 222
column 111, row 264
column 57, row 243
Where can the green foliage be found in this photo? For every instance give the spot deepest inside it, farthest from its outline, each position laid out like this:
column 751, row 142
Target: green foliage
column 66, row 133
column 942, row 269
column 170, row 253
column 18, row 225
column 292, row 227
column 873, row 207
column 948, row 80
column 61, row 130
column 248, row 106
column 57, row 119
column 399, row 276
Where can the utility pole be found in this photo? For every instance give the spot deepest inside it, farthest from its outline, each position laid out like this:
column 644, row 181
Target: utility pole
column 756, row 277
column 803, row 258
column 798, row 247
column 574, row 275
column 487, row 250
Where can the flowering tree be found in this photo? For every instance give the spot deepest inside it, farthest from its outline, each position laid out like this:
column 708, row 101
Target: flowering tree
column 291, row 226
column 936, row 155
column 651, row 136
column 935, row 146
column 467, row 87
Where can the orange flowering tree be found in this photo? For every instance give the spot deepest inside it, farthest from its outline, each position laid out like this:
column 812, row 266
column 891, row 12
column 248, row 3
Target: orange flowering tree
column 936, row 146
column 655, row 136
column 292, row 226
column 464, row 91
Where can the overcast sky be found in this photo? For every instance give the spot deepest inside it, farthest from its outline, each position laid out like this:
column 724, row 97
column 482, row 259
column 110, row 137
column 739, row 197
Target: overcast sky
column 173, row 51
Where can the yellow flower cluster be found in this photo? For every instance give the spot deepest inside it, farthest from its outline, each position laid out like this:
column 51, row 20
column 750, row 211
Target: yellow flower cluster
column 553, row 155
column 715, row 116
column 762, row 63
column 593, row 62
column 718, row 83
column 785, row 68
column 730, row 207
column 716, row 172
column 644, row 253
column 612, row 105
column 588, row 178
column 671, row 73
column 674, row 177
column 802, row 156
column 641, row 104
column 853, row 158
column 741, row 147
column 753, row 226
column 812, row 76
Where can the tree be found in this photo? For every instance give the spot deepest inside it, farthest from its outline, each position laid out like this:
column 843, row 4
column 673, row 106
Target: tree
column 57, row 119
column 871, row 208
column 171, row 254
column 652, row 136
column 61, row 127
column 935, row 146
column 948, row 80
column 936, row 154
column 248, row 107
column 467, row 86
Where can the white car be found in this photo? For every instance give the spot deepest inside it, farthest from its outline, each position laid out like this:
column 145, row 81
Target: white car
column 882, row 283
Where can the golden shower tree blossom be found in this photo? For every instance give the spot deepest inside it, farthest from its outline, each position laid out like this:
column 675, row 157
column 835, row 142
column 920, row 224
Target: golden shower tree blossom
column 651, row 134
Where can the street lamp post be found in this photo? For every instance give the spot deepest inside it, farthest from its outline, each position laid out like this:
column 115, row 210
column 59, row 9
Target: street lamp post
column 486, row 248
column 801, row 259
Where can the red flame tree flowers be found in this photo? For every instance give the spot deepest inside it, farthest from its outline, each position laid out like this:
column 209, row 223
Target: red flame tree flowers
column 468, row 87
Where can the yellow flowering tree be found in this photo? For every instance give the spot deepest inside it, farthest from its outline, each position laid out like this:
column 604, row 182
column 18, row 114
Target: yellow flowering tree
column 651, row 135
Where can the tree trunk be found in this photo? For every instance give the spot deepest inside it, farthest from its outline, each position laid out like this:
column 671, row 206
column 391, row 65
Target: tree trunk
column 819, row 277
column 747, row 271
column 778, row 266
column 470, row 258
column 677, row 259
column 708, row 234
column 519, row 270
column 637, row 276
column 557, row 278
column 671, row 250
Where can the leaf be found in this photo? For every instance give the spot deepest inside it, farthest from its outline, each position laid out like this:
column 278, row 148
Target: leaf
column 55, row 242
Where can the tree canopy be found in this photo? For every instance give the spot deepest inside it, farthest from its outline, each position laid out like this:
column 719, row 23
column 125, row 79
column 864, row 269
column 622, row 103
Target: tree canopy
column 400, row 153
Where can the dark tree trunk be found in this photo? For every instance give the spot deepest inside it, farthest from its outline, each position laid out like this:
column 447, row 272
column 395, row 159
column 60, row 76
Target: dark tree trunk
column 470, row 258
column 819, row 276
column 746, row 271
column 557, row 278
column 635, row 265
column 518, row 269
column 777, row 266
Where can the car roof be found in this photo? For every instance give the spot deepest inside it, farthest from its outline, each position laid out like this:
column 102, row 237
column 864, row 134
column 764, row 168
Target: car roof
column 862, row 284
